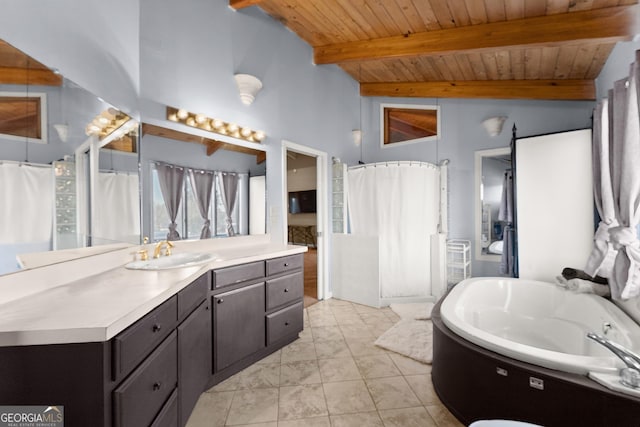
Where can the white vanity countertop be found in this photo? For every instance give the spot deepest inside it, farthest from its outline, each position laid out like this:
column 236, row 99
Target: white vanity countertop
column 97, row 307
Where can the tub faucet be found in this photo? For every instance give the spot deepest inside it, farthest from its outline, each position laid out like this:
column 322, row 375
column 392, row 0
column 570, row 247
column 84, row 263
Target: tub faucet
column 159, row 245
column 629, row 376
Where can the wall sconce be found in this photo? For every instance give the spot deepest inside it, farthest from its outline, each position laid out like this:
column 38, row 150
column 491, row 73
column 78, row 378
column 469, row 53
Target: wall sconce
column 493, row 125
column 356, row 134
column 218, row 126
column 63, row 131
column 248, row 86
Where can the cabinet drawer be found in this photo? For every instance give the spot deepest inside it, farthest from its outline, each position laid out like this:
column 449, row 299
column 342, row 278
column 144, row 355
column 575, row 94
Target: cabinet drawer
column 168, row 416
column 284, row 290
column 284, row 264
column 136, row 342
column 284, row 322
column 191, row 296
column 140, row 397
column 240, row 273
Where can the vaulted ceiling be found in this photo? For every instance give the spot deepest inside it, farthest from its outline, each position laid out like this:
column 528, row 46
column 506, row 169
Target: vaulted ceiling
column 534, row 49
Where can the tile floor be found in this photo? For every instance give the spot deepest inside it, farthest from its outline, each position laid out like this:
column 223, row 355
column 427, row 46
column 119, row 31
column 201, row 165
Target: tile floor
column 333, row 375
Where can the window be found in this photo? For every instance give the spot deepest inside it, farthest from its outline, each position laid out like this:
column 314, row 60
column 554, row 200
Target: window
column 189, row 221
column 406, row 124
column 23, row 116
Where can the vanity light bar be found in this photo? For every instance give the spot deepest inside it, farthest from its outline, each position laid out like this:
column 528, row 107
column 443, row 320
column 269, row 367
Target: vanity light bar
column 203, row 122
column 110, row 121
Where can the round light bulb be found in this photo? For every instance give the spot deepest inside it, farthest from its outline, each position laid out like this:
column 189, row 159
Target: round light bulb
column 246, row 132
column 259, row 135
column 217, row 123
column 200, row 118
column 173, row 117
column 182, row 114
column 232, row 127
column 191, row 121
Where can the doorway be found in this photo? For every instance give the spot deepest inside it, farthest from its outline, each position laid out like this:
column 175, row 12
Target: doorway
column 304, row 197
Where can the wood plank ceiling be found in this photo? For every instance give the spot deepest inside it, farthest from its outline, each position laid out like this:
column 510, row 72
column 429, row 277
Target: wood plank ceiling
column 536, row 49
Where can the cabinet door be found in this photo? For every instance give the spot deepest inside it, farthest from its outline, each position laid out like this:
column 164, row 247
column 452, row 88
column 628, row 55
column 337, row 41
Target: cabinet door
column 239, row 325
column 194, row 358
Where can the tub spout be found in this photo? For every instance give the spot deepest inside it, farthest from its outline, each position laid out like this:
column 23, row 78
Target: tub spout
column 630, row 376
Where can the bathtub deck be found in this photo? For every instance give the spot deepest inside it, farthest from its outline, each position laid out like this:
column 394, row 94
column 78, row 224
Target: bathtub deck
column 475, row 383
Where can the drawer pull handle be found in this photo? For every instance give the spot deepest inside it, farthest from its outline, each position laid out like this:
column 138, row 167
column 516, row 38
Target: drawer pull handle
column 156, row 327
column 286, row 289
column 157, row 386
column 286, row 264
column 220, row 301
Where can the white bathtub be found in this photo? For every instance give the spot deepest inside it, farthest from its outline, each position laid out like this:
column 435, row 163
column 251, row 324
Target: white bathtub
column 539, row 323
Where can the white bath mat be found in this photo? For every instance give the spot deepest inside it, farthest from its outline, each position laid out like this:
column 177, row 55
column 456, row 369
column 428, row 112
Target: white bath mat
column 413, row 310
column 411, row 338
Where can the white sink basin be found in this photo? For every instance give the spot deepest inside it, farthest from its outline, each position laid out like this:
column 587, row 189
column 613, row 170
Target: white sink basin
column 179, row 260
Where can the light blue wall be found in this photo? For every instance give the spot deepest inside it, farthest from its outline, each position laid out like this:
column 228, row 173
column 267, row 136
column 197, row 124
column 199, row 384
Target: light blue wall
column 68, row 105
column 617, row 66
column 190, row 51
column 94, row 43
column 462, row 136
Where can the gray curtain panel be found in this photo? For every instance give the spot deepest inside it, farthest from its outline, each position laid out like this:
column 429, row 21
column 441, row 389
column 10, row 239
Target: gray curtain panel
column 171, row 179
column 624, row 150
column 229, row 184
column 603, row 255
column 626, row 187
column 201, row 184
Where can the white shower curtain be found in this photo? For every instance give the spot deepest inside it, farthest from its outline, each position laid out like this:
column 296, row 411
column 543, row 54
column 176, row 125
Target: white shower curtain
column 26, row 203
column 399, row 203
column 26, row 210
column 118, row 210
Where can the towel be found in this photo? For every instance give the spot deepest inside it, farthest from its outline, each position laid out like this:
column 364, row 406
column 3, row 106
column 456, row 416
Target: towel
column 581, row 286
column 573, row 273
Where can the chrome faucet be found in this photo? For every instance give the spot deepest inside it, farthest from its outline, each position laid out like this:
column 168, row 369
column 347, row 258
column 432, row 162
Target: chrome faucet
column 159, row 245
column 629, row 376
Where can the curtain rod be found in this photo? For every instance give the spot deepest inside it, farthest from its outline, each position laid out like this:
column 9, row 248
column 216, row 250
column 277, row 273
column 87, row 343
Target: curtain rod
column 36, row 165
column 395, row 162
column 160, row 162
column 117, row 172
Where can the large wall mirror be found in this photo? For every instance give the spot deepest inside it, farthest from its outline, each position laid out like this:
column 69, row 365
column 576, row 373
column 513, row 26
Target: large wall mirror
column 493, row 207
column 76, row 172
column 58, row 158
column 220, row 190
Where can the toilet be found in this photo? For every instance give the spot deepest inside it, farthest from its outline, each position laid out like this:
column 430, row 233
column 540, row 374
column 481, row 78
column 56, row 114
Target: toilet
column 501, row 423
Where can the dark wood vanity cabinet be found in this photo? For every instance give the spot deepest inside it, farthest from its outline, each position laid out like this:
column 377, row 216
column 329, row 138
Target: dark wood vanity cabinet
column 257, row 309
column 152, row 373
column 194, row 358
column 238, row 318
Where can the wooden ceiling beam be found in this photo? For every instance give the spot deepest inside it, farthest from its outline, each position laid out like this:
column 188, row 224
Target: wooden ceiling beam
column 501, row 89
column 241, row 4
column 24, row 76
column 610, row 24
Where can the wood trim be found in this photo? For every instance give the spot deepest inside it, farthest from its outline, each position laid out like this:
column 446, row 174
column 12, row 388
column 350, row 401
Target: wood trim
column 241, row 4
column 503, row 89
column 24, row 76
column 603, row 25
column 211, row 145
